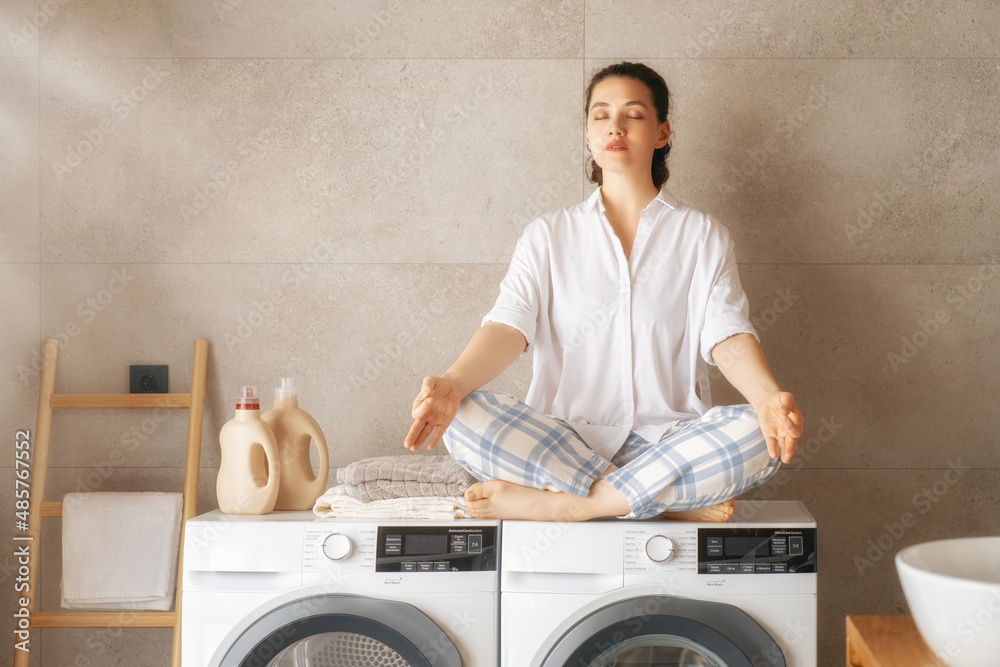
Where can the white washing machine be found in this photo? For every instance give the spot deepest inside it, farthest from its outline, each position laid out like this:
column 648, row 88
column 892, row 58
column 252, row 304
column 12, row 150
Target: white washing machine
column 289, row 589
column 661, row 593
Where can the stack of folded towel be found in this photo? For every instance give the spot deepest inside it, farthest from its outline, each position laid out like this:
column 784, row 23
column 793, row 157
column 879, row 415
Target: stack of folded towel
column 400, row 487
column 120, row 550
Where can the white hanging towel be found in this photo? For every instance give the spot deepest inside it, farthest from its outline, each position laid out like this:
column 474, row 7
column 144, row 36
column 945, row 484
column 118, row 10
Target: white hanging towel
column 120, row 550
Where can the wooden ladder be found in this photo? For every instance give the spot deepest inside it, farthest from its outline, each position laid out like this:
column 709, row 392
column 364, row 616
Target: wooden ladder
column 194, row 402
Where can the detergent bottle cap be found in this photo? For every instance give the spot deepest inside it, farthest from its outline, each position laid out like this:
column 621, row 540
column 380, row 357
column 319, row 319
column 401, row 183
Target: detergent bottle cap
column 248, row 399
column 286, row 389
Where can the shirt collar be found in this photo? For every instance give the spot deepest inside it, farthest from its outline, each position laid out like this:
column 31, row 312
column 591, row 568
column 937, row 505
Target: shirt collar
column 664, row 196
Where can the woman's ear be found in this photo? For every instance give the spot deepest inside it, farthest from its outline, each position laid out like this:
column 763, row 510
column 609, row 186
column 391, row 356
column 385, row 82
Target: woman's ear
column 664, row 134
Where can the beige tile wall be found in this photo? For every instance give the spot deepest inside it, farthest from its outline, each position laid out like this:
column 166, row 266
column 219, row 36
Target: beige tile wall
column 332, row 190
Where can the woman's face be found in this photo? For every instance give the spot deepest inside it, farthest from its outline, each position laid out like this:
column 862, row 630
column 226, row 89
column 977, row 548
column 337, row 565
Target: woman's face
column 622, row 128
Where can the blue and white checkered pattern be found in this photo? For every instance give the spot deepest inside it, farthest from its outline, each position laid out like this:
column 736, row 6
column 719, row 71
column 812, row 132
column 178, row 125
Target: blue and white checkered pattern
column 698, row 463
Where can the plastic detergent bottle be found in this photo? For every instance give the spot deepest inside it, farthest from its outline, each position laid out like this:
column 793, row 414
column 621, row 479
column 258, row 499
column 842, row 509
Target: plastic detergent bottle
column 250, row 470
column 293, row 428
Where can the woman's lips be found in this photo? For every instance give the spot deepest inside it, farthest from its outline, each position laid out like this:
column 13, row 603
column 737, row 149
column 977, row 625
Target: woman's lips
column 616, row 146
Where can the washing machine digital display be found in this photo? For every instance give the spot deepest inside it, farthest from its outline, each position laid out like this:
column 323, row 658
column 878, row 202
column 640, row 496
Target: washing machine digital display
column 436, row 549
column 756, row 550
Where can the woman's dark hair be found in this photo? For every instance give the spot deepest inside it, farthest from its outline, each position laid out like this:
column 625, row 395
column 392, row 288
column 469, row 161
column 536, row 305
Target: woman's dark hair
column 661, row 100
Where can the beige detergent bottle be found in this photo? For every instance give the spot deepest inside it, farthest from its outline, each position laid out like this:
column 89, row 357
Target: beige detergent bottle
column 251, row 468
column 293, row 428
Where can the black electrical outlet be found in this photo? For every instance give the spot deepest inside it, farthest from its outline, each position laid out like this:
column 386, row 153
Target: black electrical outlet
column 147, row 379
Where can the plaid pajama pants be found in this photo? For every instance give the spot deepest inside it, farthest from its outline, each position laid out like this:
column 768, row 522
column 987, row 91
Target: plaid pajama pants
column 697, row 463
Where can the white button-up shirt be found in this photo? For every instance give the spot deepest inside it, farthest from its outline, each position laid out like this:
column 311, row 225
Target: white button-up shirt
column 622, row 345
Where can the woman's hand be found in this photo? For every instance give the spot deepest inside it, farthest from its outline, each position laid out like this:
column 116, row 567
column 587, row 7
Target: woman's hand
column 781, row 423
column 433, row 410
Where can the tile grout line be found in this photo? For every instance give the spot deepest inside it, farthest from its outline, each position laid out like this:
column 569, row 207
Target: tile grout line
column 493, row 58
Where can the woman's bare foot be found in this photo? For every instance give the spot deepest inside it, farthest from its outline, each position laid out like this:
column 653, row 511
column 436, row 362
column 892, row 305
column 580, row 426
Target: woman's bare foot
column 505, row 500
column 715, row 514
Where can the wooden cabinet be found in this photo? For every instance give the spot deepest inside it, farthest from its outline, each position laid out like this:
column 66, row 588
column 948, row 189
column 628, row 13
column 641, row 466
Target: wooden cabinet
column 887, row 641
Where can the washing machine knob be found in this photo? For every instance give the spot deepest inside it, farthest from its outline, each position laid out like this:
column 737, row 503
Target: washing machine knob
column 659, row 548
column 337, row 546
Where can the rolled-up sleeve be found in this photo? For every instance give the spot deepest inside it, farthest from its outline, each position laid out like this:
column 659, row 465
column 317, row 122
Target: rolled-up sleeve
column 518, row 303
column 728, row 310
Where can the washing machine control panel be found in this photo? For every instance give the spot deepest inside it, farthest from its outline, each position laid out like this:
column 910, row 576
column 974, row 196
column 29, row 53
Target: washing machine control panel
column 756, row 550
column 330, row 549
column 436, row 549
column 655, row 547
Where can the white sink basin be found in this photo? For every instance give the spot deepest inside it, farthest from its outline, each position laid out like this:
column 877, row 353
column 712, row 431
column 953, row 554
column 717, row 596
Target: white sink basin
column 953, row 589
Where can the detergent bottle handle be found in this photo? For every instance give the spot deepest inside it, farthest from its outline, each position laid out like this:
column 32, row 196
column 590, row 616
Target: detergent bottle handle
column 273, row 464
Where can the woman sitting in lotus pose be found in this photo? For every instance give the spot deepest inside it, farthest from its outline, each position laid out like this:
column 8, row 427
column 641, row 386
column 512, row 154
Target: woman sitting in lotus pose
column 628, row 297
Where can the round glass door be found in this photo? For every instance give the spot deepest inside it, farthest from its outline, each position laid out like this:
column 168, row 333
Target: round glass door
column 341, row 631
column 339, row 649
column 657, row 651
column 676, row 632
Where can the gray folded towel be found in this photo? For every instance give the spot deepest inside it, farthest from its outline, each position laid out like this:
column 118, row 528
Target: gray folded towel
column 404, row 476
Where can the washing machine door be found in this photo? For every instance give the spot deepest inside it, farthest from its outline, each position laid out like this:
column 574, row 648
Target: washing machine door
column 343, row 631
column 666, row 631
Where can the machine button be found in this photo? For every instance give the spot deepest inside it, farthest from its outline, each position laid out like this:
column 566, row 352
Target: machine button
column 714, row 551
column 731, row 568
column 747, row 568
column 440, row 566
column 408, row 566
column 714, row 542
column 795, row 546
column 458, row 548
column 763, row 567
column 337, row 546
column 714, row 568
column 425, row 566
column 779, row 567
column 659, row 548
column 475, row 544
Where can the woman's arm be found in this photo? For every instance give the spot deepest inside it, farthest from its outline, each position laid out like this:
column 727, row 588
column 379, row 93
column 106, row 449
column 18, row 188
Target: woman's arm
column 742, row 362
column 492, row 349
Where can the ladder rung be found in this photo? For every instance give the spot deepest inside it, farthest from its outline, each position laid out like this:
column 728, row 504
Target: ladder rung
column 51, row 508
column 103, row 619
column 115, row 401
